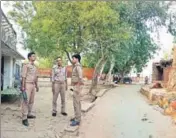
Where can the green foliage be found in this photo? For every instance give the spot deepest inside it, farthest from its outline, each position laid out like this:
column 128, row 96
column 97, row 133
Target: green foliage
column 136, row 52
column 172, row 25
column 89, row 60
column 48, row 63
column 172, row 19
column 45, row 63
column 95, row 29
column 107, row 67
column 75, row 27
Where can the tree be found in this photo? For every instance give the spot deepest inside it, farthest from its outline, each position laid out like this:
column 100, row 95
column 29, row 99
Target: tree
column 45, row 63
column 101, row 31
column 81, row 27
column 136, row 52
column 172, row 20
column 50, row 28
column 106, row 33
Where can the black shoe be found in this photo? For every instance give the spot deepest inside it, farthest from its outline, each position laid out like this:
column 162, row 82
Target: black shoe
column 31, row 117
column 54, row 114
column 75, row 123
column 64, row 114
column 25, row 122
column 72, row 119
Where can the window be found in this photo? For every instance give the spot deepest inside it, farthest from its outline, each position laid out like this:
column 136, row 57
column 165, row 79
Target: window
column 17, row 72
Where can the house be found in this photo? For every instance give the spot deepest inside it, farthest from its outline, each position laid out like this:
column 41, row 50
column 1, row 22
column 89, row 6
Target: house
column 10, row 57
column 161, row 71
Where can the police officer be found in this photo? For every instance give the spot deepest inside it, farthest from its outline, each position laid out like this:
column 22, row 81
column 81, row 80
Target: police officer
column 77, row 82
column 29, row 84
column 59, row 85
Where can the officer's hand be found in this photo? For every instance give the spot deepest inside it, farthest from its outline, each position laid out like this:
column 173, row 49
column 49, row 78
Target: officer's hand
column 66, row 87
column 53, row 89
column 37, row 89
column 22, row 89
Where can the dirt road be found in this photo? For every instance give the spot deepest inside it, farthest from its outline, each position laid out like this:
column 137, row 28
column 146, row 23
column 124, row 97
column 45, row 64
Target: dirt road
column 44, row 126
column 124, row 113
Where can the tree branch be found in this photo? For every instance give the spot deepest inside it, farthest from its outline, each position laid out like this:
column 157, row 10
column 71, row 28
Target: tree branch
column 68, row 55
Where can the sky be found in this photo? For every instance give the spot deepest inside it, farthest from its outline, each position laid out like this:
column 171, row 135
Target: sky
column 165, row 44
column 19, row 46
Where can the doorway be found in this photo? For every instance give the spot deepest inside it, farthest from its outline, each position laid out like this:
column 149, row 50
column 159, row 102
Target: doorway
column 160, row 73
column 2, row 72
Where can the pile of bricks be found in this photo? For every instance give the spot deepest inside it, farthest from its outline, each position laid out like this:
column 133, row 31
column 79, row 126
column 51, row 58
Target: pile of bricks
column 161, row 98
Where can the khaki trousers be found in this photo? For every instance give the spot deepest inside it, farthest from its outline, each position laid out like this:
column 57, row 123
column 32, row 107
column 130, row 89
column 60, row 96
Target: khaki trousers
column 77, row 102
column 59, row 88
column 27, row 106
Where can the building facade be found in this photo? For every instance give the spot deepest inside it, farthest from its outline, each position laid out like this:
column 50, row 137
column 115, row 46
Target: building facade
column 10, row 57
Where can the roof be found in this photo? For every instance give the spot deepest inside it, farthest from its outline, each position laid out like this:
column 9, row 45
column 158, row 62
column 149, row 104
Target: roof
column 164, row 63
column 5, row 22
column 8, row 51
column 8, row 34
column 8, row 38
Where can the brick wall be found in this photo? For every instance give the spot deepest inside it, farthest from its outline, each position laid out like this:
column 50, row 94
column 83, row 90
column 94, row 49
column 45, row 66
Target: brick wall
column 154, row 73
column 87, row 72
column 174, row 56
column 44, row 72
column 166, row 75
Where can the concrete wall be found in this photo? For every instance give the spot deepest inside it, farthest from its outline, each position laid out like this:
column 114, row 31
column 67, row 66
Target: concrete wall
column 17, row 64
column 166, row 75
column 154, row 73
column 9, row 64
column 6, row 72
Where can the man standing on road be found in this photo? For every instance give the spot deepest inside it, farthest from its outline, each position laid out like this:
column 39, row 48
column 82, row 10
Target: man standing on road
column 59, row 85
column 146, row 80
column 29, row 83
column 77, row 82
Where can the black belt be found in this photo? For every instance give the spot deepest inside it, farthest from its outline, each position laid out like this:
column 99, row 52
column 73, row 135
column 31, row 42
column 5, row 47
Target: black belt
column 30, row 82
column 59, row 82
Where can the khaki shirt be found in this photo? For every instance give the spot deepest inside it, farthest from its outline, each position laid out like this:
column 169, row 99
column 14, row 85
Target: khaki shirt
column 77, row 74
column 59, row 74
column 30, row 72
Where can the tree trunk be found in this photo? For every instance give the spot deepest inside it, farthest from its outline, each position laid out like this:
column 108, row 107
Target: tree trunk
column 68, row 55
column 122, row 76
column 109, row 75
column 101, row 70
column 95, row 75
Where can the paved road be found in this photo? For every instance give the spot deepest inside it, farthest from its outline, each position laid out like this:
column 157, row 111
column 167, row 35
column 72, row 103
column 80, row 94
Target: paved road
column 124, row 113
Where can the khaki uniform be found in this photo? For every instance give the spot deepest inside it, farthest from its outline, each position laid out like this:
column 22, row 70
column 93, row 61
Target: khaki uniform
column 77, row 77
column 30, row 73
column 59, row 76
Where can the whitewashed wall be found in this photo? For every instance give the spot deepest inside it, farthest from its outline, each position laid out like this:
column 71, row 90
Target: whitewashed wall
column 8, row 72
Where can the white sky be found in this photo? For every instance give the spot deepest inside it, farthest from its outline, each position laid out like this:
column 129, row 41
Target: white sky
column 20, row 47
column 166, row 43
